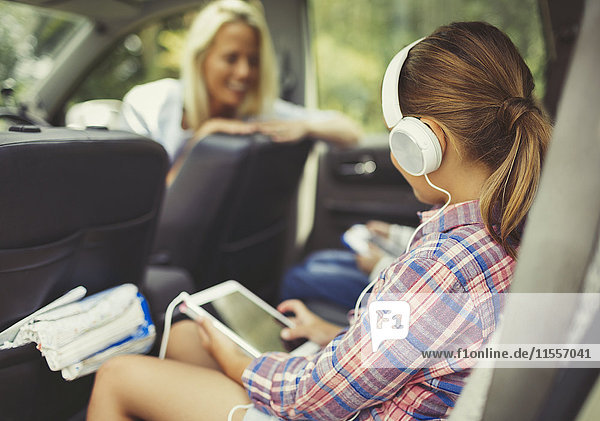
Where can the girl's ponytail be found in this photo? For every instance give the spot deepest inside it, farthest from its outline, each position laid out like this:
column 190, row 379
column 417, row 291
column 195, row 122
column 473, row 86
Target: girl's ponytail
column 471, row 77
column 508, row 194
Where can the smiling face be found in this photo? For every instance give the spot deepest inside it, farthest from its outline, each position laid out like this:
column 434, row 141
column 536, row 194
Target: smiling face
column 231, row 68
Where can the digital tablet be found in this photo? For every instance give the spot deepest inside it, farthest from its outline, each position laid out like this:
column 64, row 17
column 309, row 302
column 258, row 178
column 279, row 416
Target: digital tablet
column 249, row 321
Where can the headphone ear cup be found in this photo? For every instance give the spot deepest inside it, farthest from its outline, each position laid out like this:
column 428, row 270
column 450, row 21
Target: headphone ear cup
column 415, row 147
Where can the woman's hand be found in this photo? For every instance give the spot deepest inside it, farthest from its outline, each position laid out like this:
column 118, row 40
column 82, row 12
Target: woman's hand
column 224, row 125
column 337, row 129
column 284, row 131
column 230, row 357
column 210, row 126
column 367, row 262
column 279, row 131
column 307, row 324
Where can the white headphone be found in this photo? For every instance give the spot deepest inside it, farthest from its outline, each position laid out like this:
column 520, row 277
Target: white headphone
column 412, row 142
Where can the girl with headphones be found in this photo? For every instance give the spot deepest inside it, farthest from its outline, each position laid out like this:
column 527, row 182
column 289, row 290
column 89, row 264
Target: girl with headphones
column 468, row 136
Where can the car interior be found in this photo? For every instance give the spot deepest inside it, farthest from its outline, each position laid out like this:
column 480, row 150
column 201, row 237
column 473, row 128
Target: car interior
column 87, row 204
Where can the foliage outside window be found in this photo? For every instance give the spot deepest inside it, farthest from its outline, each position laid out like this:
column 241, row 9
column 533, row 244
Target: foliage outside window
column 152, row 53
column 354, row 41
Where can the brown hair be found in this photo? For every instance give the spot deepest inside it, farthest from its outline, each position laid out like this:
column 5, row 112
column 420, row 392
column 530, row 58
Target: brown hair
column 471, row 77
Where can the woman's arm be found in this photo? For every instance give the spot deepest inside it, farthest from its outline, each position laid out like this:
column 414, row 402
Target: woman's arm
column 337, row 129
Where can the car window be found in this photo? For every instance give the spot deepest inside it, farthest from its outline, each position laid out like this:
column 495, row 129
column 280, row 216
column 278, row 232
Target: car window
column 366, row 35
column 30, row 41
column 151, row 53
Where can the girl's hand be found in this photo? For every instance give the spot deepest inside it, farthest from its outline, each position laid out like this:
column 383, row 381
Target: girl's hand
column 284, row 131
column 230, row 357
column 307, row 324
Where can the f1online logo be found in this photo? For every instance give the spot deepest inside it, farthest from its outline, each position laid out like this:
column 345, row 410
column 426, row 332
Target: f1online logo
column 388, row 320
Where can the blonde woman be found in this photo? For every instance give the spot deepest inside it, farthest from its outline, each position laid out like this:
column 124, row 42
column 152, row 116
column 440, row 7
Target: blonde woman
column 229, row 84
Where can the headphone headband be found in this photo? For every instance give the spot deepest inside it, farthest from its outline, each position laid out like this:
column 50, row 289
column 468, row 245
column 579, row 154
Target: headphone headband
column 389, row 88
column 414, row 145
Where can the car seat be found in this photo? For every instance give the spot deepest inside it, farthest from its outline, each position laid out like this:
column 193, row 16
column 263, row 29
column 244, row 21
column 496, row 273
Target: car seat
column 78, row 208
column 227, row 214
column 559, row 254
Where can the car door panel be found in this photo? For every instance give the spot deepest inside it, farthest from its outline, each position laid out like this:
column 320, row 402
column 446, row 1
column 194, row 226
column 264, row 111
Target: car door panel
column 357, row 185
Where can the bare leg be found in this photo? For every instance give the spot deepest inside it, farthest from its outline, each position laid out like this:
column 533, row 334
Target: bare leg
column 185, row 346
column 135, row 386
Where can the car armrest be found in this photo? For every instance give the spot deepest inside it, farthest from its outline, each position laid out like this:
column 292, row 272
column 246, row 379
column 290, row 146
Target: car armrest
column 160, row 286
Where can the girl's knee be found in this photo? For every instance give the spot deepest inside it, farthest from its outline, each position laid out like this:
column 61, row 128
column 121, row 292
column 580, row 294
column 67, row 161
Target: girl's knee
column 184, row 327
column 115, row 380
column 118, row 370
column 184, row 334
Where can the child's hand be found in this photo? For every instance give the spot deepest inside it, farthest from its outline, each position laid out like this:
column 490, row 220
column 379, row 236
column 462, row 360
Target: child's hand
column 227, row 353
column 367, row 262
column 307, row 324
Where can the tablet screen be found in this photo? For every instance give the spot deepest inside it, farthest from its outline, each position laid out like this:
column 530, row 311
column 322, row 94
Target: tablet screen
column 249, row 321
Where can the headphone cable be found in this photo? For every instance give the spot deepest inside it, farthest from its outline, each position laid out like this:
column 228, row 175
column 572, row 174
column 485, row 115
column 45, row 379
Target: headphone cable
column 412, row 237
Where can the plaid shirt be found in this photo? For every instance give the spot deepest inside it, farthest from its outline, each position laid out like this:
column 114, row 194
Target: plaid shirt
column 452, row 254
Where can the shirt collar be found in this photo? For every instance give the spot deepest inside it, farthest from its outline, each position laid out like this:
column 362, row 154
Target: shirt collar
column 455, row 215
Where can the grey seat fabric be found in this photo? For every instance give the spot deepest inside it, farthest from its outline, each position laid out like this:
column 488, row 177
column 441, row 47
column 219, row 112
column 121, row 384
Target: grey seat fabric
column 78, row 208
column 226, row 215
